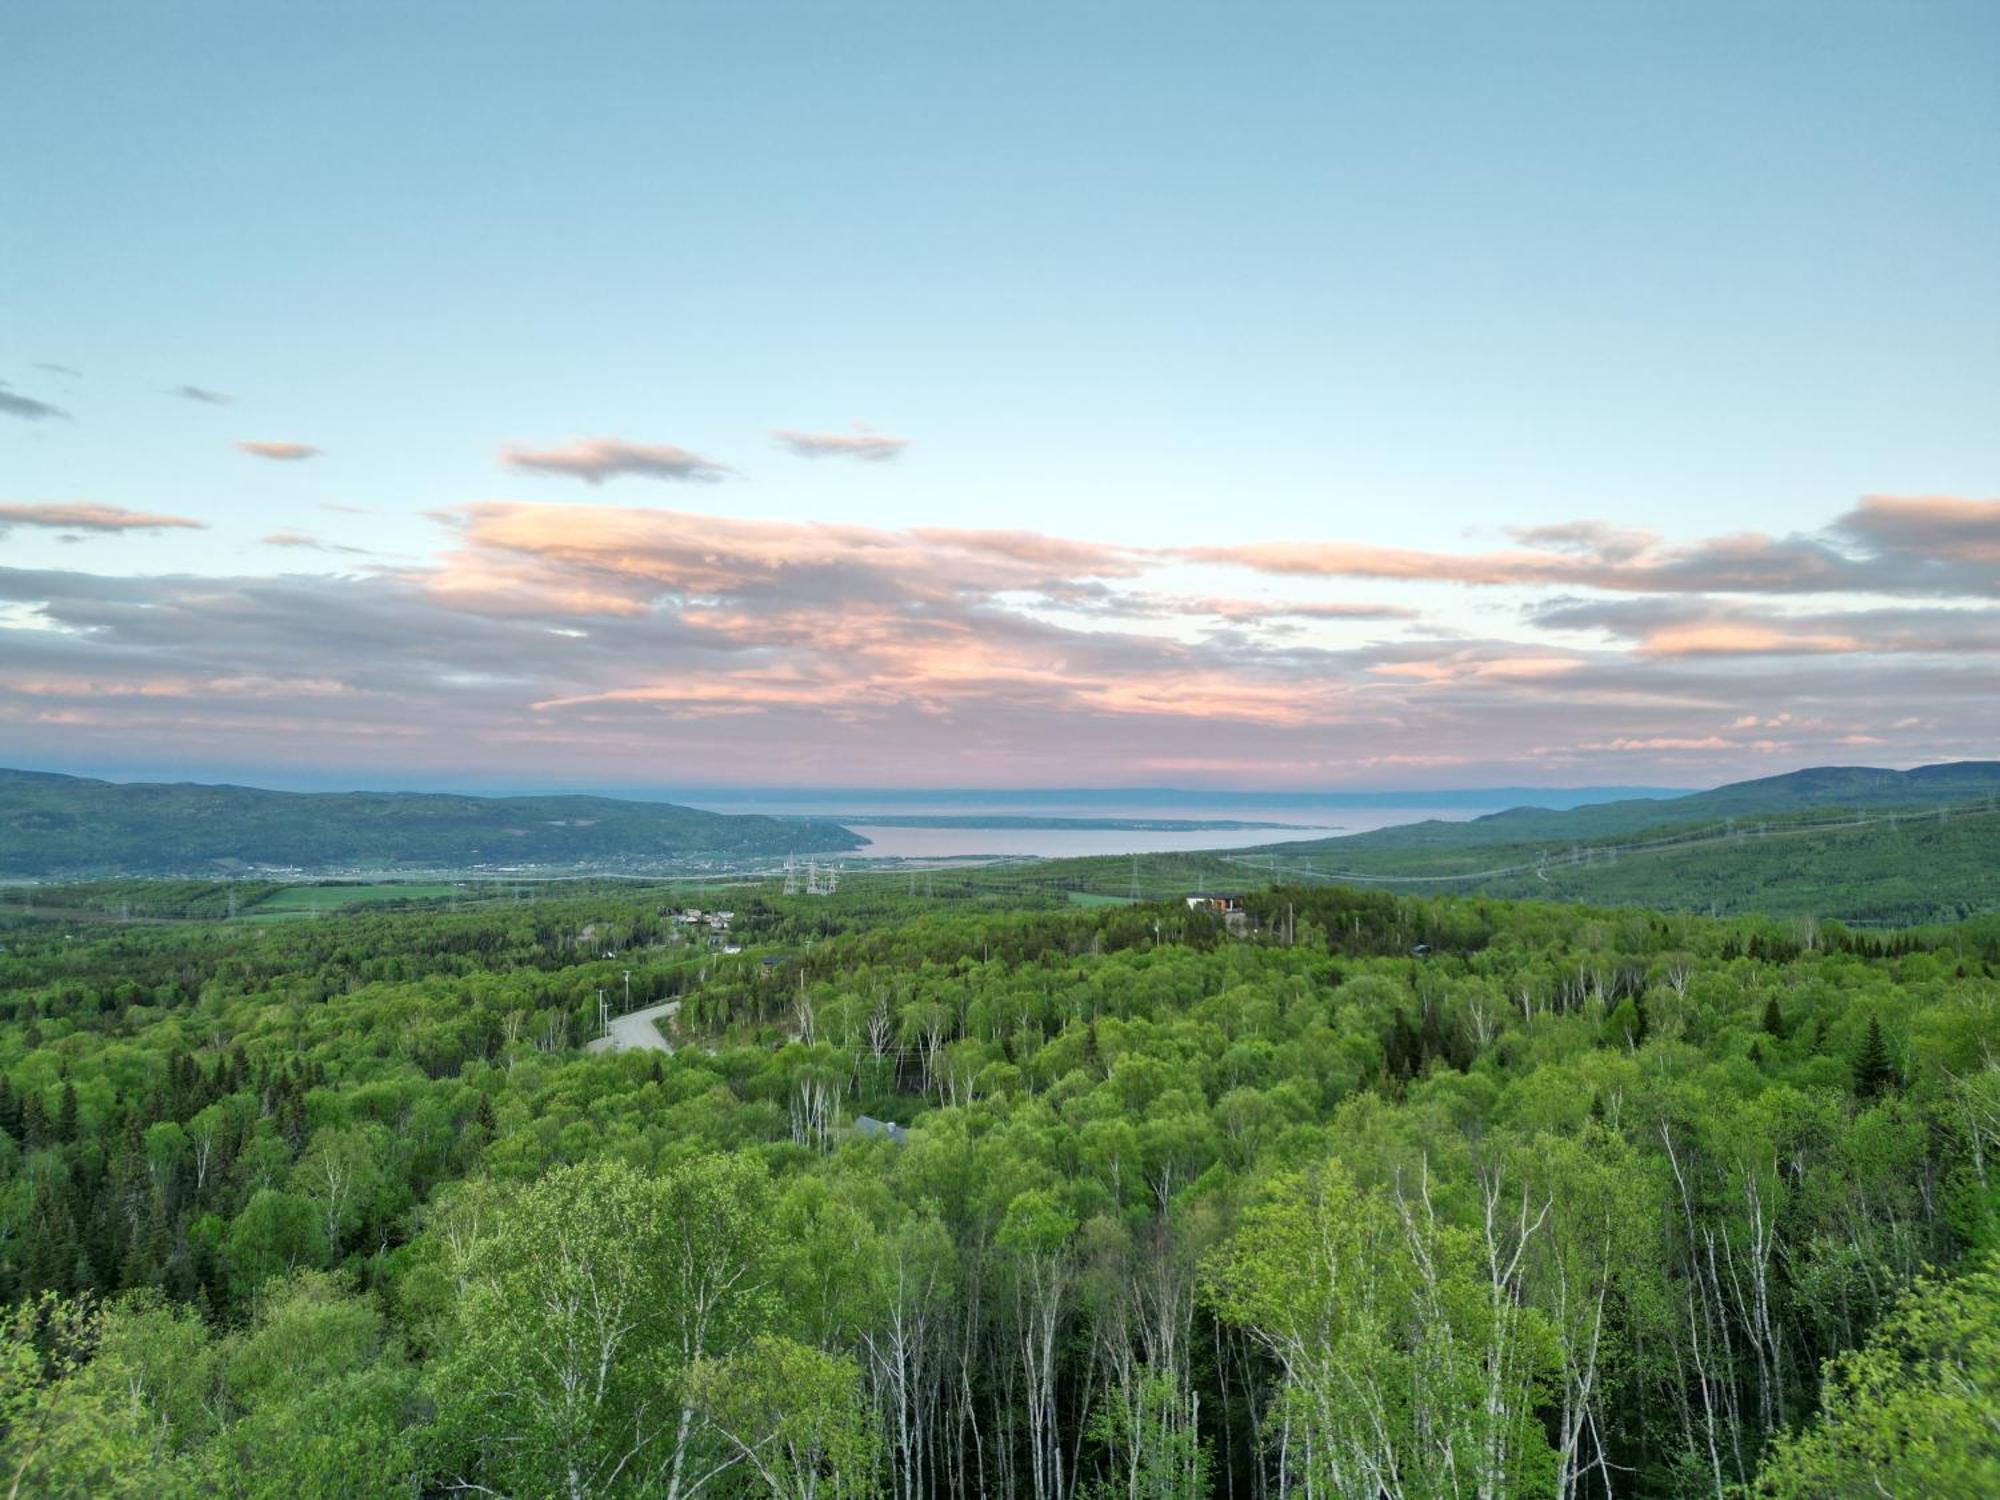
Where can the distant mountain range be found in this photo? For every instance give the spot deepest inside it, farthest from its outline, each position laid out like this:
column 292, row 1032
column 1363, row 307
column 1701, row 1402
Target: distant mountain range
column 70, row 827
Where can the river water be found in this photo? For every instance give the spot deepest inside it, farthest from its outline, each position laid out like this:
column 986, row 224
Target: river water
column 894, row 841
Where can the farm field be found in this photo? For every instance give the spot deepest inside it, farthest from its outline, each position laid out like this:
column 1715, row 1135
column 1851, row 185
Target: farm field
column 311, row 900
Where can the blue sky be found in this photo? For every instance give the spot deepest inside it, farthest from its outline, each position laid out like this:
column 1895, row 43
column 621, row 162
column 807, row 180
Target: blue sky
column 1417, row 277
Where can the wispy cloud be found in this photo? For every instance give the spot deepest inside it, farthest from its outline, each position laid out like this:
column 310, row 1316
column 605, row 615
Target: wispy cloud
column 595, row 460
column 27, row 408
column 1701, row 626
column 56, row 369
column 1939, row 546
column 84, row 516
column 202, row 395
column 284, row 453
column 307, row 540
column 863, row 444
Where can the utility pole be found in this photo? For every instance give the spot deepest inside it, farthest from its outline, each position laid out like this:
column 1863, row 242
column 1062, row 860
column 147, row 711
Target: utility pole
column 603, row 1016
column 628, row 989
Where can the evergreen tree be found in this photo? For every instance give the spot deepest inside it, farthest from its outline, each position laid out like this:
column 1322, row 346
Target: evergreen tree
column 1874, row 1073
column 34, row 1122
column 1774, row 1019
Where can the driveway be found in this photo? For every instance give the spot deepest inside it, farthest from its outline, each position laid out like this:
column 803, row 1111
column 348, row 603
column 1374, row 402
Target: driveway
column 636, row 1031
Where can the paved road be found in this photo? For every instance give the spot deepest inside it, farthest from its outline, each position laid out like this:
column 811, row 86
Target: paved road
column 637, row 1031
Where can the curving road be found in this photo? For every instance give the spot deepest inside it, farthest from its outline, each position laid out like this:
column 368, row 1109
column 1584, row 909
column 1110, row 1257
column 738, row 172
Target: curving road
column 636, row 1031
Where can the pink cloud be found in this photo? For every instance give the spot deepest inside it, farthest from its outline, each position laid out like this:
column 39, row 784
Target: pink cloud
column 1933, row 545
column 284, row 453
column 1930, row 524
column 84, row 516
column 622, row 639
column 594, row 460
column 1722, row 639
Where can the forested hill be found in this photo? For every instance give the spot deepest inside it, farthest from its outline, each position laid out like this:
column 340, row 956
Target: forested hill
column 1817, row 788
column 72, row 827
column 1876, row 847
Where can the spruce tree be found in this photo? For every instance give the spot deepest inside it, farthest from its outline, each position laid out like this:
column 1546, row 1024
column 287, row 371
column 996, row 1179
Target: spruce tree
column 1774, row 1019
column 1874, row 1073
column 34, row 1122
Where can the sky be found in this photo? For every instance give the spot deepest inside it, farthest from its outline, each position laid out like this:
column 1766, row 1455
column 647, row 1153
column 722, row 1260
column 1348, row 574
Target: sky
column 1314, row 397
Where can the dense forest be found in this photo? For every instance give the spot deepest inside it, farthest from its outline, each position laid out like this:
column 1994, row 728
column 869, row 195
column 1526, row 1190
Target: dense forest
column 1359, row 1195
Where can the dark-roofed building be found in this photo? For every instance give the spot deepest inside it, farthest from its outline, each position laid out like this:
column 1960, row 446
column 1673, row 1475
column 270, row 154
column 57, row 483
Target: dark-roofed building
column 876, row 1129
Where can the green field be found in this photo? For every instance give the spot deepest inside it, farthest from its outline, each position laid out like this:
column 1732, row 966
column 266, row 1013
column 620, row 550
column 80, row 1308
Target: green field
column 310, row 900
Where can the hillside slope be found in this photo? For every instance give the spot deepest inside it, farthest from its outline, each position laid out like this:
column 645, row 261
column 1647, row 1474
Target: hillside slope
column 1817, row 788
column 1862, row 845
column 68, row 827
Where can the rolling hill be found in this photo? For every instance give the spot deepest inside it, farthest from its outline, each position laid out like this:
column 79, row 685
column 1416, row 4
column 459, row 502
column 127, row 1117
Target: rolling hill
column 1821, row 788
column 71, row 827
column 1858, row 843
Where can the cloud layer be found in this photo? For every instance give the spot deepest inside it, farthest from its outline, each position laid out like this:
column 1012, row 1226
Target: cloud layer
column 651, row 644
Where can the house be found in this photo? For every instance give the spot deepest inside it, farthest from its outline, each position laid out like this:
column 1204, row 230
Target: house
column 876, row 1129
column 1227, row 905
column 1219, row 902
